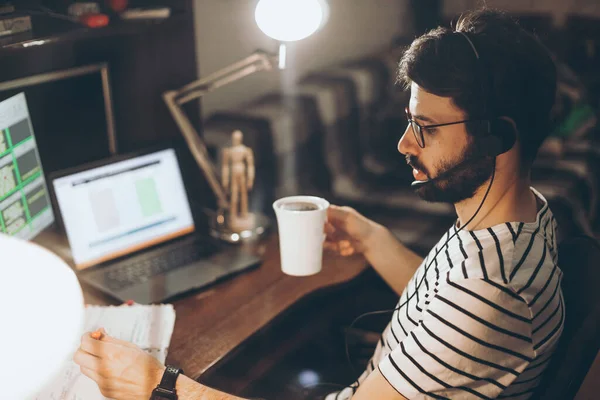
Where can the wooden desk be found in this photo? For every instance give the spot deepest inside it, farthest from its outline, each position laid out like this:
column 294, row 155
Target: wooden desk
column 210, row 323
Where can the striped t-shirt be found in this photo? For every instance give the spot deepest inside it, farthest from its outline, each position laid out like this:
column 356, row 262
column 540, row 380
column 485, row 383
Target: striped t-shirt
column 478, row 321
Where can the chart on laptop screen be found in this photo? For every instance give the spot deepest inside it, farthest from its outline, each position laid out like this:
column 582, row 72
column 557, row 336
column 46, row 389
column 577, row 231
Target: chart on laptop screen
column 25, row 208
column 122, row 207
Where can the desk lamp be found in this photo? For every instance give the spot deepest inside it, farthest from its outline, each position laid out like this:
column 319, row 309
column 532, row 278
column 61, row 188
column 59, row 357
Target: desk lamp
column 42, row 314
column 282, row 20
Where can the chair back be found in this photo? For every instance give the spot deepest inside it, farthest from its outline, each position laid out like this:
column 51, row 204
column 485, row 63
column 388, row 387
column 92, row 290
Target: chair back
column 579, row 259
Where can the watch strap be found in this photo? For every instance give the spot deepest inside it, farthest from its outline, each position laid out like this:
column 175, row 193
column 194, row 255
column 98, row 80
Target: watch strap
column 166, row 388
column 169, row 378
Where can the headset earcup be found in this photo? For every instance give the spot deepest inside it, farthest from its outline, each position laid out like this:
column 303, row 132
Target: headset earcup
column 491, row 145
column 502, row 136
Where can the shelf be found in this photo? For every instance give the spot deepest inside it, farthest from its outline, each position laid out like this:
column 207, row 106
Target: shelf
column 48, row 30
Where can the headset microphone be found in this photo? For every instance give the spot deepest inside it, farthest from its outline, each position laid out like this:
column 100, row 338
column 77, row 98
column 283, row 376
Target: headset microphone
column 489, row 145
column 442, row 175
column 448, row 172
column 417, row 184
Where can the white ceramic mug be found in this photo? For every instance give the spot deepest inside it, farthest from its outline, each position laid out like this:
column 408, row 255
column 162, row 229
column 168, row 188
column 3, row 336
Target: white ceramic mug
column 301, row 223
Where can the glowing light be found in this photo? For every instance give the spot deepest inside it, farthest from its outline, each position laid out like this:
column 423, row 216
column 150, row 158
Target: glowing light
column 282, row 56
column 290, row 20
column 308, row 378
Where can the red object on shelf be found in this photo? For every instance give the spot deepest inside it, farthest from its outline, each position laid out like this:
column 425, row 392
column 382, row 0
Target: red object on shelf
column 94, row 20
column 117, row 5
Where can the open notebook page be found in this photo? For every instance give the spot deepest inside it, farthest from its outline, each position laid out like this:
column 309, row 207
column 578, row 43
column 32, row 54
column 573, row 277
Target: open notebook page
column 148, row 326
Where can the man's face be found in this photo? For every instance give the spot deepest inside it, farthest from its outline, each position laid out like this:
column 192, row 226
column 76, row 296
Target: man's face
column 450, row 153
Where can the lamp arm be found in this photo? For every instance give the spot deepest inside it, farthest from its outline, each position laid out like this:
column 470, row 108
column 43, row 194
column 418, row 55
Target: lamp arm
column 197, row 147
column 202, row 88
column 258, row 61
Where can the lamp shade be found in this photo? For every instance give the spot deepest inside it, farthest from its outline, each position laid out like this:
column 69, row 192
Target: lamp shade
column 42, row 313
column 290, row 20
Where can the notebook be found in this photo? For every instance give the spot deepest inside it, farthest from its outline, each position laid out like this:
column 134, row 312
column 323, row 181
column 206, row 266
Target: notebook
column 148, row 326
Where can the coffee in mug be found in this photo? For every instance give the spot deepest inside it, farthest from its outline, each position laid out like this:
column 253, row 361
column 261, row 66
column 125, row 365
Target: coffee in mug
column 299, row 206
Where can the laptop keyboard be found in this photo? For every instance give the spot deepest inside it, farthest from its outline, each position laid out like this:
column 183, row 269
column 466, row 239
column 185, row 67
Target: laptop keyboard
column 139, row 271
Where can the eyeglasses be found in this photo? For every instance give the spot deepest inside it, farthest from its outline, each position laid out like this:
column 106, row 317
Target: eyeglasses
column 418, row 129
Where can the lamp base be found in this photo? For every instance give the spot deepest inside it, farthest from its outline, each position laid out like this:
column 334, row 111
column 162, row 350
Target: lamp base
column 240, row 224
column 236, row 230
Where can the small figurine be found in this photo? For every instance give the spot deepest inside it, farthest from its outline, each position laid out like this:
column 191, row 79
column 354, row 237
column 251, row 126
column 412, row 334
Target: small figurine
column 237, row 173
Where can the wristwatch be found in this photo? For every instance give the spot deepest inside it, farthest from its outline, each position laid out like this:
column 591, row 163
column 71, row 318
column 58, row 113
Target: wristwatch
column 166, row 388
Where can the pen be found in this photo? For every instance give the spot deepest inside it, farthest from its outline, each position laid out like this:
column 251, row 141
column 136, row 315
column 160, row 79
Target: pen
column 97, row 335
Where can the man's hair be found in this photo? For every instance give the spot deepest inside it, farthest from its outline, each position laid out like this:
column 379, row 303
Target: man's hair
column 516, row 73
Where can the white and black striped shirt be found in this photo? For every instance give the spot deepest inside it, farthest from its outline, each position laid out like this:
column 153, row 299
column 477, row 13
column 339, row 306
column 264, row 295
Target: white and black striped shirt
column 480, row 320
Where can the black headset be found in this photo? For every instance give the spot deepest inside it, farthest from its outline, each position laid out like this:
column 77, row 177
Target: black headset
column 492, row 135
column 498, row 134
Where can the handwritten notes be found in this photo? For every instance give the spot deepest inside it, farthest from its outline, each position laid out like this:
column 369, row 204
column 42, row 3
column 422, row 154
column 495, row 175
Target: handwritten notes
column 149, row 327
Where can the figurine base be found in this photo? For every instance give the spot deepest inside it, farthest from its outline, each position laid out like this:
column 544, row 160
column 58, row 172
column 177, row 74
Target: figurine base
column 240, row 224
column 237, row 230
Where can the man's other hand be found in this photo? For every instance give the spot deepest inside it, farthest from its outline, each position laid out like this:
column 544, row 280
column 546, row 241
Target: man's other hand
column 347, row 231
column 122, row 370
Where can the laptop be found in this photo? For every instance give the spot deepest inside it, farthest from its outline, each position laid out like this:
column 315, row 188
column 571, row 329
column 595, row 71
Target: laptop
column 132, row 231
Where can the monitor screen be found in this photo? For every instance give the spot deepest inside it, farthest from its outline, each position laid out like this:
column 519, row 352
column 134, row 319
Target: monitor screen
column 25, row 208
column 71, row 112
column 122, row 207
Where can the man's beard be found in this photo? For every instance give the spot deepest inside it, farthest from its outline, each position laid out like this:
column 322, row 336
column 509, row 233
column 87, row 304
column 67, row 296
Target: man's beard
column 456, row 181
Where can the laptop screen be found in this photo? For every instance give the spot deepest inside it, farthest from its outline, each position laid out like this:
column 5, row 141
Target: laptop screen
column 25, row 208
column 123, row 207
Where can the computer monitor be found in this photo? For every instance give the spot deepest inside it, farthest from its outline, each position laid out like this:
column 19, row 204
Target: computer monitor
column 72, row 114
column 25, row 208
